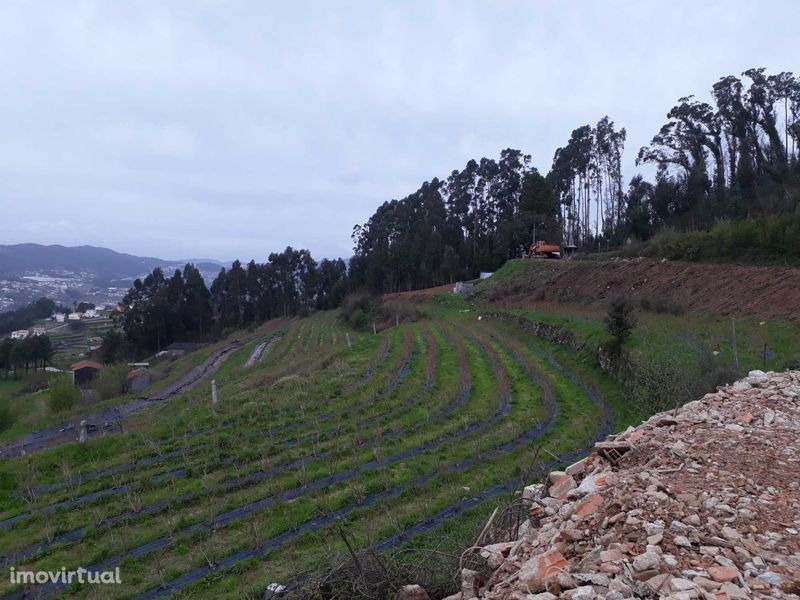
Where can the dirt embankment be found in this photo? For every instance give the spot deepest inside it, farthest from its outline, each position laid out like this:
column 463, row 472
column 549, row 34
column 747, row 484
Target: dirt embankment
column 760, row 291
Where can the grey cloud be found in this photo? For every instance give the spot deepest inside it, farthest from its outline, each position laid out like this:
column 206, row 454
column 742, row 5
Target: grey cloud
column 232, row 129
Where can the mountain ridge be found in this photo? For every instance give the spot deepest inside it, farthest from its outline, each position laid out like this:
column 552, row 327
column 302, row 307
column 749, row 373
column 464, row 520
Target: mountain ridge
column 105, row 263
column 67, row 274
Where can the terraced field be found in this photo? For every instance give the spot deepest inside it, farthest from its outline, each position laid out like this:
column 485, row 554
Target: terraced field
column 70, row 344
column 396, row 438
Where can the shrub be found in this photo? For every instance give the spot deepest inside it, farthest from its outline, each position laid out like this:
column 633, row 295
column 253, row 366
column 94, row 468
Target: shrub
column 656, row 385
column 620, row 319
column 35, row 382
column 359, row 309
column 666, row 306
column 111, row 381
column 771, row 237
column 713, row 371
column 399, row 310
column 662, row 306
column 76, row 326
column 63, row 394
column 6, row 417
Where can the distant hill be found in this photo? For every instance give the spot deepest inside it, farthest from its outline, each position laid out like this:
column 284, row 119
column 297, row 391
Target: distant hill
column 105, row 264
column 81, row 273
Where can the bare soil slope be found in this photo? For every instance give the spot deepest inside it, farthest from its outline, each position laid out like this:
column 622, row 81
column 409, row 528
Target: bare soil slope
column 761, row 291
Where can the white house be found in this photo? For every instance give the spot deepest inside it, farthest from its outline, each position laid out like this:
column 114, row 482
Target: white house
column 19, row 334
column 39, row 331
column 75, row 316
column 59, row 317
column 90, row 313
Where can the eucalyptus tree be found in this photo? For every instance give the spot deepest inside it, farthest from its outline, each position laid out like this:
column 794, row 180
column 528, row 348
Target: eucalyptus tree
column 539, row 207
column 691, row 132
column 785, row 86
column 196, row 302
column 586, row 177
column 761, row 98
column 639, row 207
column 609, row 145
column 727, row 94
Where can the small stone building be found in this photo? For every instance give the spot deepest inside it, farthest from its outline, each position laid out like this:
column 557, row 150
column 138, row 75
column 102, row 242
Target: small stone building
column 85, row 370
column 138, row 379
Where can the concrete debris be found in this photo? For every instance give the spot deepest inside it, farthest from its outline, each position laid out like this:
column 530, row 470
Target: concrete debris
column 701, row 502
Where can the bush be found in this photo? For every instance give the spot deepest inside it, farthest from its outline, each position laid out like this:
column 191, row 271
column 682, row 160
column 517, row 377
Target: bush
column 76, row 326
column 35, row 382
column 399, row 310
column 656, row 385
column 620, row 319
column 63, row 394
column 6, row 417
column 111, row 381
column 359, row 309
column 662, row 306
column 771, row 238
column 713, row 371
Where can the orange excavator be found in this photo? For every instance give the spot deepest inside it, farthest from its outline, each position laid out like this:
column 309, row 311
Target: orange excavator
column 541, row 249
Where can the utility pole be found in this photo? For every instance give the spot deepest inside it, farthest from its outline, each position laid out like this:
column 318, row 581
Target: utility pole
column 735, row 347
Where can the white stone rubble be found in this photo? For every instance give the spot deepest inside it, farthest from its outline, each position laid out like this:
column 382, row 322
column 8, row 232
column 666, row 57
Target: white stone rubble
column 703, row 503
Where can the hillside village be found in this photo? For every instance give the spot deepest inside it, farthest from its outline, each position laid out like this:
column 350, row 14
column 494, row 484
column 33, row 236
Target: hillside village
column 98, row 312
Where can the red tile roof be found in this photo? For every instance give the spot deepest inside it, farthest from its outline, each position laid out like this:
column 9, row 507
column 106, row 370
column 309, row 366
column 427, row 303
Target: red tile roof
column 83, row 364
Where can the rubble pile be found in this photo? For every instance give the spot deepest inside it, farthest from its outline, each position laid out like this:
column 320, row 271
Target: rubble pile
column 700, row 502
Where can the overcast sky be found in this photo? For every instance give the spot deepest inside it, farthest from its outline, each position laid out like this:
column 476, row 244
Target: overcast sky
column 231, row 129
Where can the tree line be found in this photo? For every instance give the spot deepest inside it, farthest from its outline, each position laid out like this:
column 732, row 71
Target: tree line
column 734, row 157
column 159, row 310
column 24, row 317
column 34, row 352
column 449, row 229
column 490, row 211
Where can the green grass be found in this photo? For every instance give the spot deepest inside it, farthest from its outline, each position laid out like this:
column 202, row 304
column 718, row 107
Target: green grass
column 356, row 412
